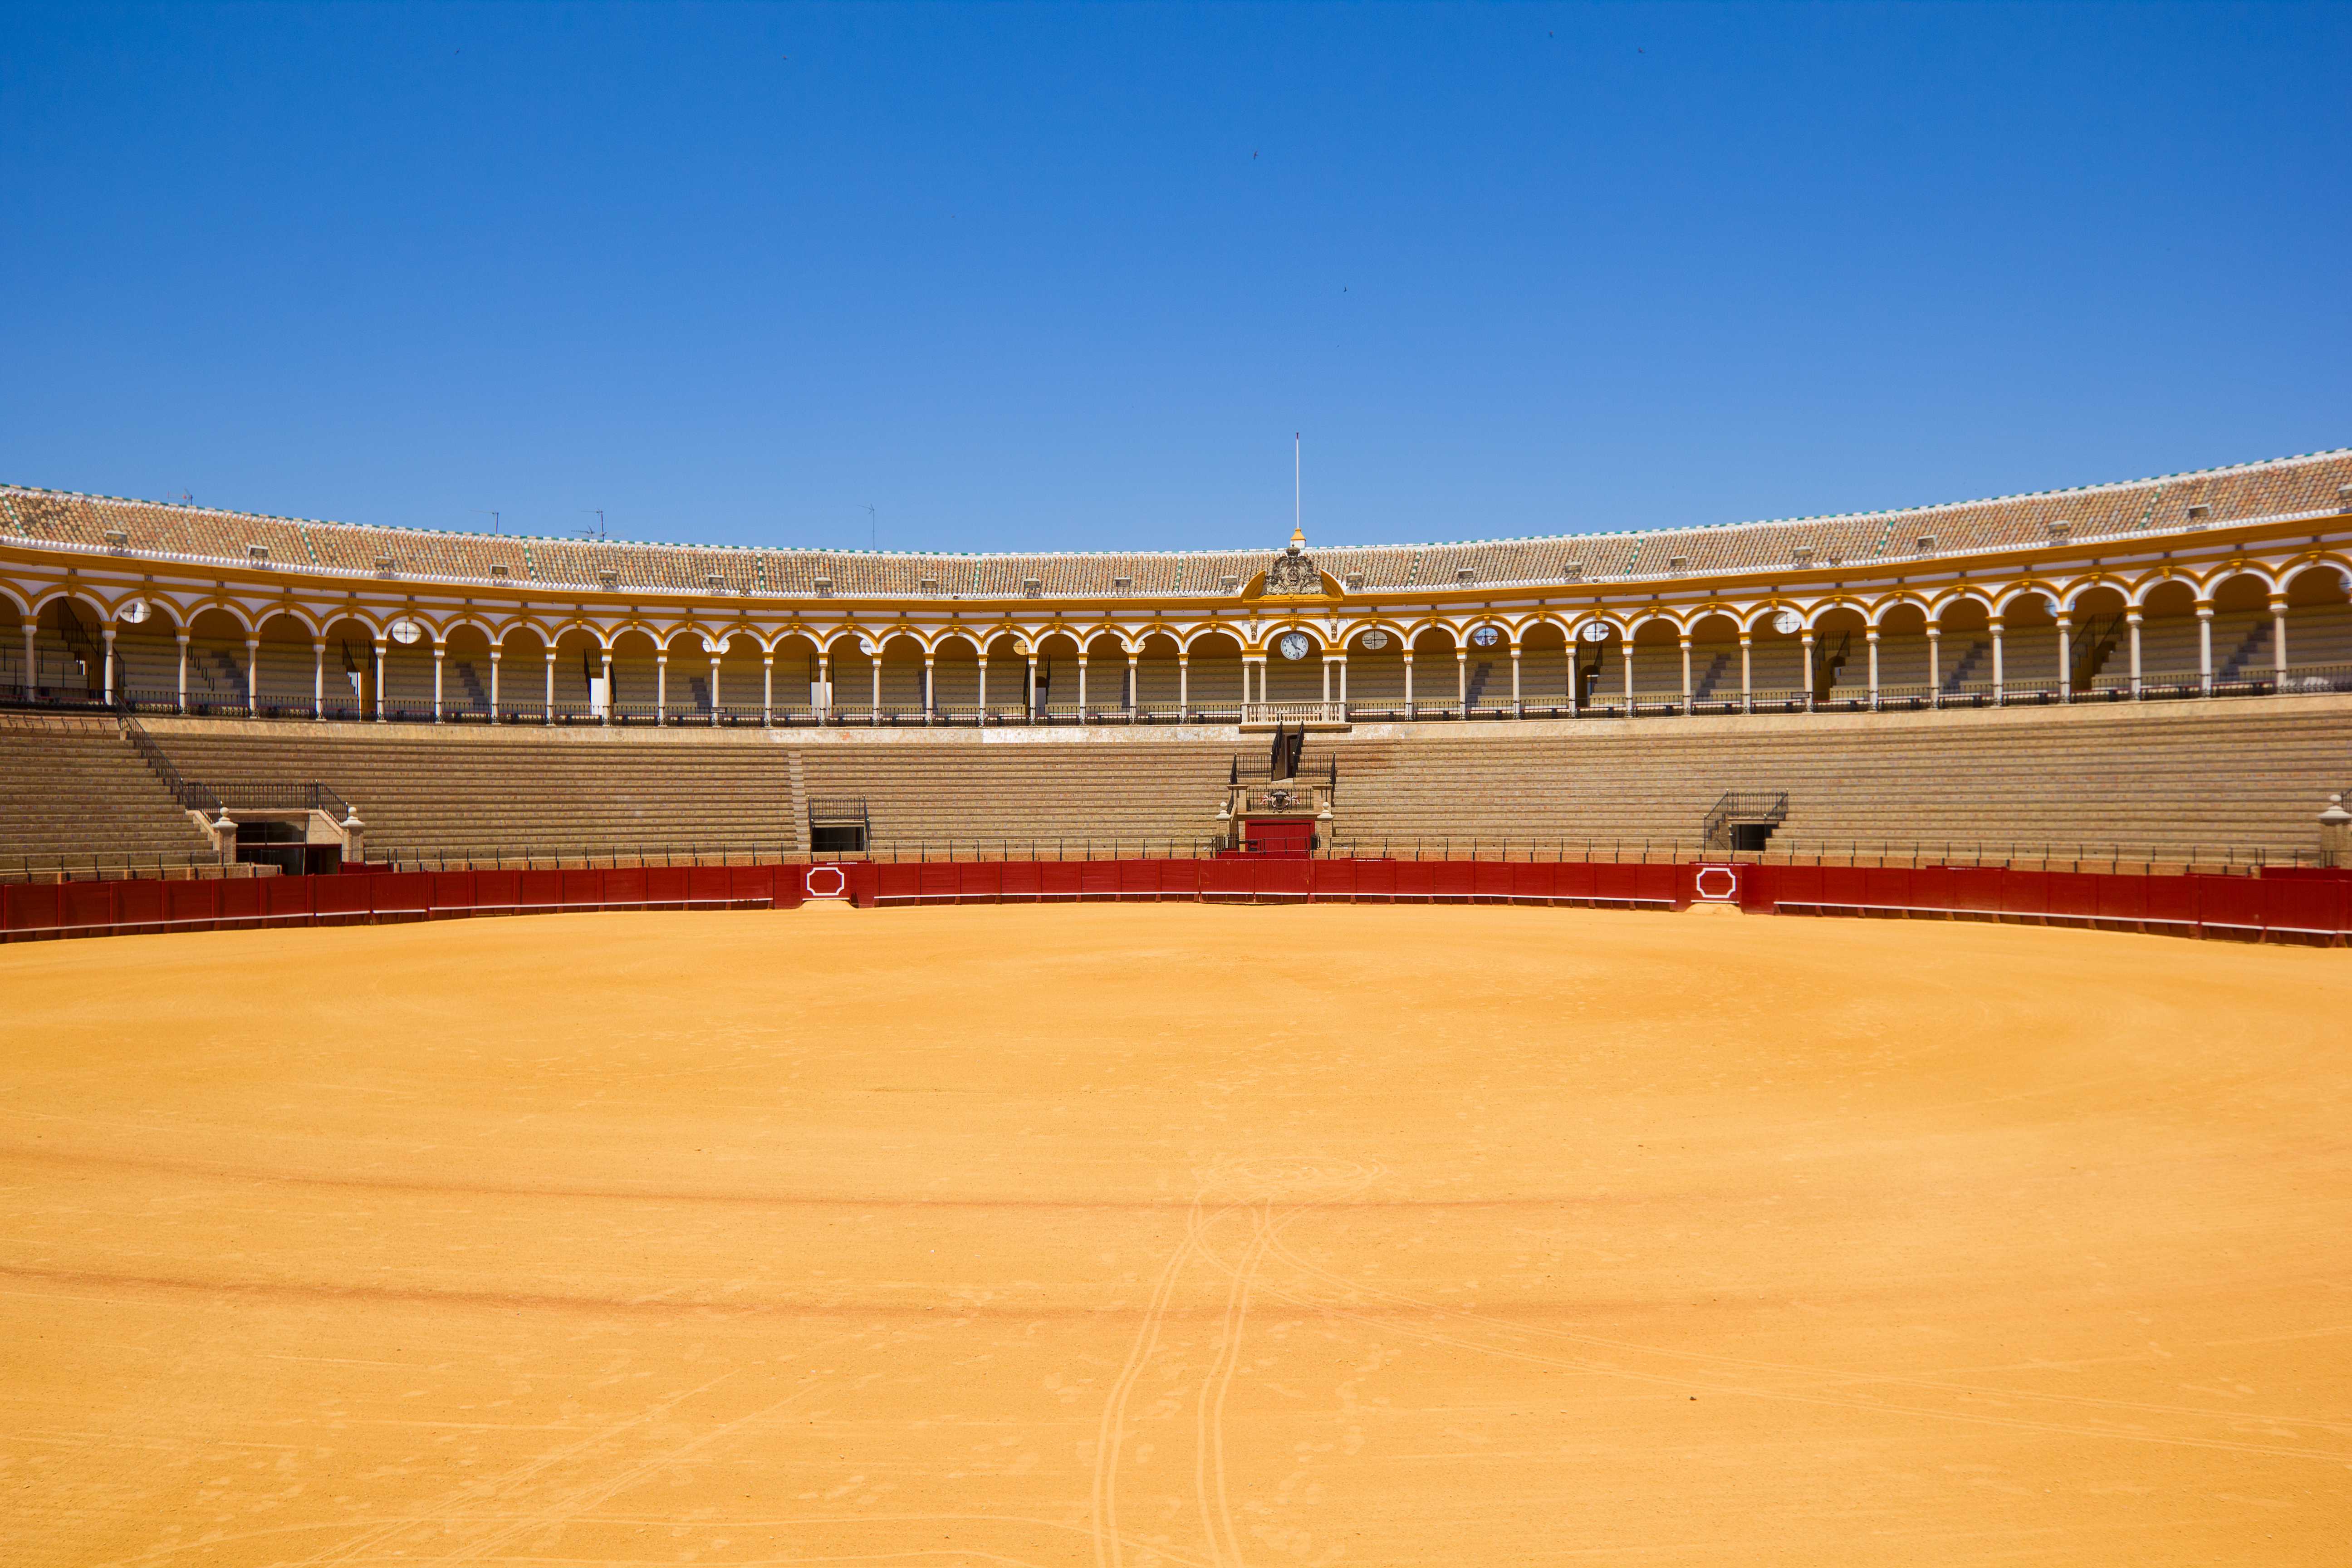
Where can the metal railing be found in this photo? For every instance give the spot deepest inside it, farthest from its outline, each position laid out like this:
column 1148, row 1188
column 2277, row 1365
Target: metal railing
column 2083, row 855
column 1756, row 806
column 191, row 796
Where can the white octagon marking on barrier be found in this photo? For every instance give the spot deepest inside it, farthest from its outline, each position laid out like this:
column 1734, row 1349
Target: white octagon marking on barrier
column 840, row 889
column 1717, row 893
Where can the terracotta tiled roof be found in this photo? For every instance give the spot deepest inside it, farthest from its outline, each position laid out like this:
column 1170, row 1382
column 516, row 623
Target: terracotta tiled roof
column 2310, row 484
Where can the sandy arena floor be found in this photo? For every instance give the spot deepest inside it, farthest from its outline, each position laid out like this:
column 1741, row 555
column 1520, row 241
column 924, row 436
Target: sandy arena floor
column 1174, row 1236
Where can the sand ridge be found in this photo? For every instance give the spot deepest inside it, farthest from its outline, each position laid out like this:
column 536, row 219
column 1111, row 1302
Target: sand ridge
column 1178, row 1235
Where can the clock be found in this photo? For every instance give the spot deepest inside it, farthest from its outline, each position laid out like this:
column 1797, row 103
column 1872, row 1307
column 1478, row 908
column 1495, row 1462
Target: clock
column 1787, row 622
column 1294, row 645
column 1595, row 631
column 1375, row 641
column 406, row 631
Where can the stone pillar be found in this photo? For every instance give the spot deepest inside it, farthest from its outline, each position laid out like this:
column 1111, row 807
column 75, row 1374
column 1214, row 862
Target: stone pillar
column 609, row 693
column 982, row 694
column 1133, row 695
column 1030, row 703
column 379, row 680
column 2065, row 659
column 1462, row 678
column 317, row 680
column 253, row 676
column 1747, row 672
column 930, row 673
column 1343, row 681
column 547, row 700
column 2278, row 645
column 2336, row 834
column 1518, row 704
column 438, row 649
column 824, row 684
column 2000, row 671
column 714, row 691
column 1628, row 647
column 1935, row 665
column 495, row 656
column 108, row 632
column 1082, row 688
column 180, row 637
column 2132, row 618
column 873, row 710
column 1408, row 683
column 768, row 689
column 33, row 663
column 661, row 687
column 2205, row 649
column 1806, row 636
column 1687, row 698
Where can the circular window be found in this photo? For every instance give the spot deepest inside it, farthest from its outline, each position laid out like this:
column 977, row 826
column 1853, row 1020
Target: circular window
column 1375, row 641
column 136, row 611
column 1294, row 645
column 1787, row 622
column 1595, row 631
column 406, row 631
column 1485, row 636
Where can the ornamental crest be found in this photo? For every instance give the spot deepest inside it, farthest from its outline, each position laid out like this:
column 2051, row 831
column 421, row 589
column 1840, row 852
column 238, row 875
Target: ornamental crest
column 1292, row 574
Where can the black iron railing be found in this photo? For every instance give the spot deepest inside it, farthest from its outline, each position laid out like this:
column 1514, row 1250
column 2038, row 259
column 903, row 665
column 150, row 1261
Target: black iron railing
column 1750, row 806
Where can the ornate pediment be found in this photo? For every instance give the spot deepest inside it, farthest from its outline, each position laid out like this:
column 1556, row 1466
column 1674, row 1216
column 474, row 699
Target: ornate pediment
column 1292, row 574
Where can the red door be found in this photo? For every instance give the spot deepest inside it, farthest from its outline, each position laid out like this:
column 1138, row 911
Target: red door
column 1291, row 836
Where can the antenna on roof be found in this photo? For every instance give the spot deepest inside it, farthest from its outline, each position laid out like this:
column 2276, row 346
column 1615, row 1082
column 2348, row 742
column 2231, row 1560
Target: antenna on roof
column 497, row 525
column 873, row 528
column 598, row 514
column 1298, row 519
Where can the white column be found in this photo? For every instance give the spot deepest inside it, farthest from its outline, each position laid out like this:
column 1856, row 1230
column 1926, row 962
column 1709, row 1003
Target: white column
column 1806, row 636
column 2205, row 649
column 1462, row 678
column 1935, row 665
column 609, row 703
column 379, row 680
column 768, row 690
column 930, row 673
column 2278, row 644
column 2065, row 659
column 983, row 693
column 873, row 712
column 1327, row 680
column 661, row 687
column 1872, row 634
column 317, row 680
column 1343, row 680
column 1183, row 687
column 1747, row 687
column 1627, row 646
column 438, row 649
column 32, row 664
column 495, row 654
column 1082, row 688
column 253, row 674
column 1687, row 679
column 1134, row 697
column 1518, row 705
column 714, row 691
column 1408, row 683
column 824, row 683
column 108, row 632
column 547, row 700
column 2000, row 669
column 2131, row 618
column 1029, row 700
column 180, row 637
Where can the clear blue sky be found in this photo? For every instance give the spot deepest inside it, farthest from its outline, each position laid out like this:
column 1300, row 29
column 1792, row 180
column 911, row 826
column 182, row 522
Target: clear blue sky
column 1069, row 277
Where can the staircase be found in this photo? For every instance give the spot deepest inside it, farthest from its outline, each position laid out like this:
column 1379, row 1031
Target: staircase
column 2256, row 644
column 1703, row 685
column 1979, row 652
column 1478, row 674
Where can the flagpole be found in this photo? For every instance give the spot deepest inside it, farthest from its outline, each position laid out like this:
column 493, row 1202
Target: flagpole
column 1297, row 516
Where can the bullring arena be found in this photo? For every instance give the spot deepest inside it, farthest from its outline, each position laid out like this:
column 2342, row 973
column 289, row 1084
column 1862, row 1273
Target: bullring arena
column 1812, row 1042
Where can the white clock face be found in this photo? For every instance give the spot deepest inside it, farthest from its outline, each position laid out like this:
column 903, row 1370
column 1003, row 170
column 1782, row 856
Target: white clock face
column 1485, row 636
column 1596, row 631
column 1787, row 622
column 1375, row 641
column 405, row 631
column 1294, row 645
column 131, row 614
